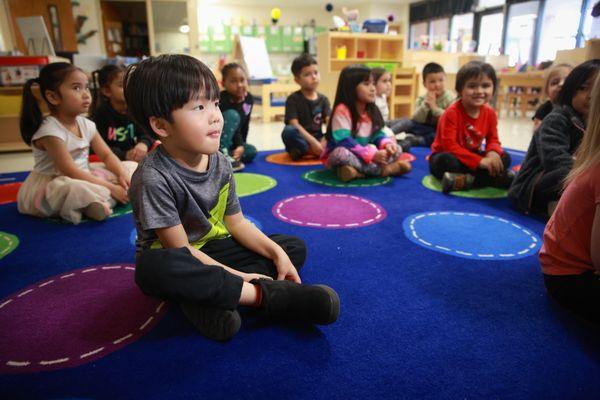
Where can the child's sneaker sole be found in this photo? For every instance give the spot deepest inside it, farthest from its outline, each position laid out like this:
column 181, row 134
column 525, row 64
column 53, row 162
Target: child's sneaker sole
column 214, row 323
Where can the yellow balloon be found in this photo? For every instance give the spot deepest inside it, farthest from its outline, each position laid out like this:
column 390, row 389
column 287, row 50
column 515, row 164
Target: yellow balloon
column 275, row 13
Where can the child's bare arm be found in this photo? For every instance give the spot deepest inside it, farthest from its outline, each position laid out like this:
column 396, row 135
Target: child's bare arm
column 595, row 240
column 57, row 150
column 253, row 239
column 175, row 237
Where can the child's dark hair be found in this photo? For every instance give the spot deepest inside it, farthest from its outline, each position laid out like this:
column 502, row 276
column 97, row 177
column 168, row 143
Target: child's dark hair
column 431, row 68
column 303, row 60
column 51, row 77
column 576, row 79
column 157, row 86
column 474, row 69
column 377, row 73
column 350, row 77
column 230, row 67
column 102, row 78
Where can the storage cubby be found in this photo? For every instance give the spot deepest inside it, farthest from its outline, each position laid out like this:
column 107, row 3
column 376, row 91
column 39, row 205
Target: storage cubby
column 361, row 48
column 404, row 93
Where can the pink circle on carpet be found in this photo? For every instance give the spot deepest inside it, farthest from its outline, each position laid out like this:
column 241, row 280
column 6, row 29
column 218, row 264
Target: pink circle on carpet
column 408, row 157
column 74, row 318
column 516, row 168
column 329, row 211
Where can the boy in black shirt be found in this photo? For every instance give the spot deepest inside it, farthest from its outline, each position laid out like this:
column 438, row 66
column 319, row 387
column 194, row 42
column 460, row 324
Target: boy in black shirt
column 305, row 111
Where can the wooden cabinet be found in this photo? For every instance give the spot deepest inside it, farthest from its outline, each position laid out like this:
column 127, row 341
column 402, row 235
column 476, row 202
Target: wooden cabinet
column 404, row 93
column 336, row 50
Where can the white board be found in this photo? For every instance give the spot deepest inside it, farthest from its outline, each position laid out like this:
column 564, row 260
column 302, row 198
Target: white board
column 256, row 58
column 35, row 35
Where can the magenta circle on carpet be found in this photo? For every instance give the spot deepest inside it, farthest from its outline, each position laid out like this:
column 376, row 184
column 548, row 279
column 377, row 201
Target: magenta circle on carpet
column 74, row 318
column 329, row 211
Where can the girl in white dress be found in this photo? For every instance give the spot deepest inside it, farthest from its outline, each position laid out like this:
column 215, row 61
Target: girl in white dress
column 63, row 183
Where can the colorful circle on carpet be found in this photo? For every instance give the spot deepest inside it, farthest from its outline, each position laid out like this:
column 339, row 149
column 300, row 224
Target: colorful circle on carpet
column 247, row 184
column 74, row 318
column 471, row 235
column 254, row 221
column 328, row 177
column 407, row 157
column 8, row 192
column 329, row 211
column 430, row 182
column 284, row 158
column 8, row 243
column 516, row 168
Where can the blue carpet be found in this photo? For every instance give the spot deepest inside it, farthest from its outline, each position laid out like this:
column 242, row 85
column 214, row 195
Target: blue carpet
column 415, row 323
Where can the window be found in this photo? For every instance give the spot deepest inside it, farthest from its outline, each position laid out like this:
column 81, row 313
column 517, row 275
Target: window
column 418, row 36
column 462, row 33
column 481, row 4
column 490, row 34
column 591, row 25
column 520, row 33
column 559, row 27
column 438, row 33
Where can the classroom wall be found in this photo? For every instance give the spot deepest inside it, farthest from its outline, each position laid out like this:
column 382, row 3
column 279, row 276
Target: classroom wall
column 95, row 44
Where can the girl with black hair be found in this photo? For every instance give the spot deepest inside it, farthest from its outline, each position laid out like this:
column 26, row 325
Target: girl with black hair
column 356, row 143
column 62, row 182
column 538, row 185
column 109, row 112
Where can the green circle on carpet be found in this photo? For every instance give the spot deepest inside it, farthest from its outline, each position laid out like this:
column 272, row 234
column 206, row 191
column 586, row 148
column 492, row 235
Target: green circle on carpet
column 329, row 178
column 247, row 184
column 8, row 243
column 432, row 183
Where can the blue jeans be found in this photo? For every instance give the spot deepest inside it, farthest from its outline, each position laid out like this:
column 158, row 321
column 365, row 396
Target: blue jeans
column 293, row 139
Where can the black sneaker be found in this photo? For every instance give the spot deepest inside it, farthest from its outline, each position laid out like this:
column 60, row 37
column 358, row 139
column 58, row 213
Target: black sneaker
column 452, row 182
column 317, row 304
column 214, row 323
column 505, row 180
column 414, row 140
column 404, row 144
column 237, row 166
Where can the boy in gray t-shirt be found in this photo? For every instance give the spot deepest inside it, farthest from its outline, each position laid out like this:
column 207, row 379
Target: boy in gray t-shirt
column 194, row 245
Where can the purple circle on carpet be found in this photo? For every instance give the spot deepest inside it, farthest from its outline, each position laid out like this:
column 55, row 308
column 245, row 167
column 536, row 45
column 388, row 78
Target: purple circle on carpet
column 329, row 211
column 74, row 318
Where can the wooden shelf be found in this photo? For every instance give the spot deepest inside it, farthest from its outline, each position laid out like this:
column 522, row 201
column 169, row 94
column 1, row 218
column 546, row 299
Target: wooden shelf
column 404, row 93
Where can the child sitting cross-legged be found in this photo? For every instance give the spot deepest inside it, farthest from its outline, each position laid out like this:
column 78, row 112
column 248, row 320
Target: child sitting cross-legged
column 194, row 245
column 356, row 143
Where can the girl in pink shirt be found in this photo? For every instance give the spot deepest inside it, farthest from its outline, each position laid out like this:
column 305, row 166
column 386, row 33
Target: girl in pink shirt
column 356, row 143
column 570, row 254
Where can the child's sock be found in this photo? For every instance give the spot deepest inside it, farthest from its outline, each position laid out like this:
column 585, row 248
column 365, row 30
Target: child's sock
column 346, row 173
column 98, row 211
column 396, row 168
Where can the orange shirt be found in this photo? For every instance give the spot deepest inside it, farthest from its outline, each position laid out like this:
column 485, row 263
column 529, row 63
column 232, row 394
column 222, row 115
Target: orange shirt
column 567, row 238
column 461, row 135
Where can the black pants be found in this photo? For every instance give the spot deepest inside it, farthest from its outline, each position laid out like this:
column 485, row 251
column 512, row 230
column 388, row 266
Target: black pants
column 440, row 163
column 548, row 188
column 176, row 275
column 578, row 293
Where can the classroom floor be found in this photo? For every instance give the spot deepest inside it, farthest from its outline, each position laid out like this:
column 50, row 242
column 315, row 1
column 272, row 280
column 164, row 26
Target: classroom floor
column 515, row 133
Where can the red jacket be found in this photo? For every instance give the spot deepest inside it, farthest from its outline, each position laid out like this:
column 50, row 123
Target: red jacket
column 461, row 135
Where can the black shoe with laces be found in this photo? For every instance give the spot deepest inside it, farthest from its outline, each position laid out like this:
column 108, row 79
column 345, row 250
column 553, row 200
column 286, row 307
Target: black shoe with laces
column 214, row 323
column 317, row 304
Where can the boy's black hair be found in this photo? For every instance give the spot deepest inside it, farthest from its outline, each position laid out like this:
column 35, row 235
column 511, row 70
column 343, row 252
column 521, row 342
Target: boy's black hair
column 377, row 73
column 157, row 86
column 431, row 68
column 303, row 60
column 102, row 78
column 576, row 79
column 474, row 69
column 51, row 77
column 230, row 67
column 350, row 77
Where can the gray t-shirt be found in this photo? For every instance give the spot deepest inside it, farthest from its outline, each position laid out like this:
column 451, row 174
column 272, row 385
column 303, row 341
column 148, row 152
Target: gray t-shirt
column 165, row 194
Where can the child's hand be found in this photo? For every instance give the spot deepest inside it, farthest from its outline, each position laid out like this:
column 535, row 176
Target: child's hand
column 430, row 100
column 492, row 163
column 380, row 157
column 238, row 152
column 124, row 181
column 119, row 193
column 391, row 148
column 138, row 153
column 285, row 269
